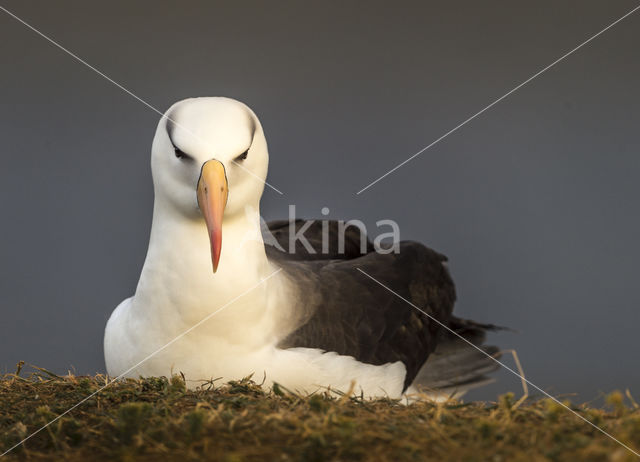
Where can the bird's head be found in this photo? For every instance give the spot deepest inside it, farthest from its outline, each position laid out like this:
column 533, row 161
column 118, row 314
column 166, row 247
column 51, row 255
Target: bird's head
column 209, row 161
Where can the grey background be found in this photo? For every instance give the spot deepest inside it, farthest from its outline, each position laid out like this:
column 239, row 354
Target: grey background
column 535, row 202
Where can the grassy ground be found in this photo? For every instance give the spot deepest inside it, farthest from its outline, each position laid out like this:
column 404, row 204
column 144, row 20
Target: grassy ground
column 157, row 419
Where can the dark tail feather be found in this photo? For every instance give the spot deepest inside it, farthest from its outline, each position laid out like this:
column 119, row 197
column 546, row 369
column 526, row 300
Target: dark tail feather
column 456, row 366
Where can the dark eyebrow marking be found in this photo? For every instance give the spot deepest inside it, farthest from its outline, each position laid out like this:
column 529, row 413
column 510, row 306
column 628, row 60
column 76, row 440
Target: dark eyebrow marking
column 253, row 129
column 171, row 126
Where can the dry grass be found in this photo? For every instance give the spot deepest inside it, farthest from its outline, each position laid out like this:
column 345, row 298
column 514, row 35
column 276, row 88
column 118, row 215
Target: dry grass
column 157, row 419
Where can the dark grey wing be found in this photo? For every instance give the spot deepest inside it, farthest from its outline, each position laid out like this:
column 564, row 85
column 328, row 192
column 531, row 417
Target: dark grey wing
column 455, row 365
column 351, row 314
column 354, row 243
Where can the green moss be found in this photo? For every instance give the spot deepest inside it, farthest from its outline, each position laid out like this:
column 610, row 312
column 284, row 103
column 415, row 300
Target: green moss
column 177, row 385
column 159, row 419
column 70, row 431
column 318, row 404
column 131, row 420
column 616, row 400
column 195, row 423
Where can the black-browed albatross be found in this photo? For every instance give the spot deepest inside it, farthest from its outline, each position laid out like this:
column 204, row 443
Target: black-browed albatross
column 306, row 320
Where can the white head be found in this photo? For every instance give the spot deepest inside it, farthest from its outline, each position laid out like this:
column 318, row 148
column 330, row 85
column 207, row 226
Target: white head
column 209, row 161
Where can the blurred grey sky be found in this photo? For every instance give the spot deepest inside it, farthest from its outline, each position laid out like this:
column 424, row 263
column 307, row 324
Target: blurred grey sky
column 535, row 202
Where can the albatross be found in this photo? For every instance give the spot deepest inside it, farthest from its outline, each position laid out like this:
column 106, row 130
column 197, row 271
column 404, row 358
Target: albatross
column 214, row 302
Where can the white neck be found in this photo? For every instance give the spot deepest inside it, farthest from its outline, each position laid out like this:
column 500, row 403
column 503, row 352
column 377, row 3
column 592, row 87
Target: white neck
column 177, row 286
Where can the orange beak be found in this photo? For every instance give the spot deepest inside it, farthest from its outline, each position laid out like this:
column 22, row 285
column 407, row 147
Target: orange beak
column 212, row 192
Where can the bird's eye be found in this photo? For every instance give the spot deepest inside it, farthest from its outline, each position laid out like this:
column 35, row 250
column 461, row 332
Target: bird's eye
column 242, row 156
column 180, row 154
